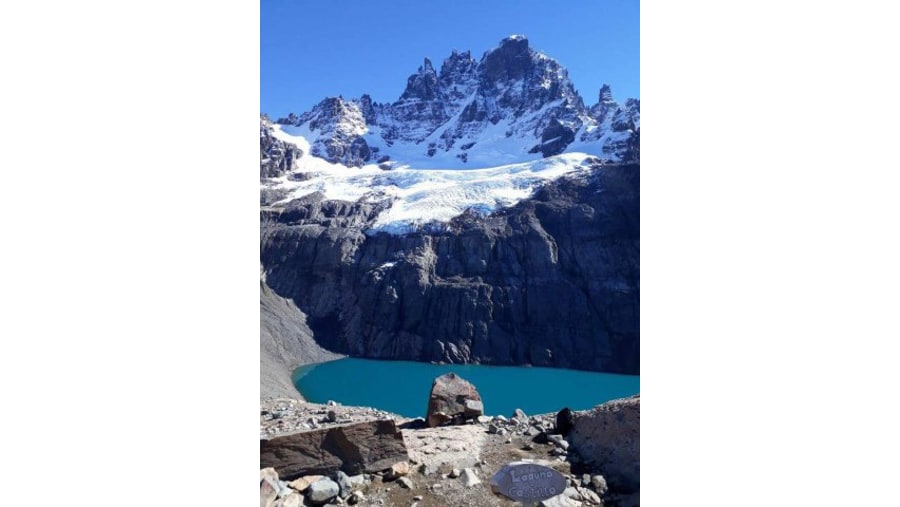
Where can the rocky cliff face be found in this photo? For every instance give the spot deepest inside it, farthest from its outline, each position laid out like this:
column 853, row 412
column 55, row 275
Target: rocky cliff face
column 513, row 102
column 340, row 125
column 551, row 281
column 285, row 343
column 275, row 156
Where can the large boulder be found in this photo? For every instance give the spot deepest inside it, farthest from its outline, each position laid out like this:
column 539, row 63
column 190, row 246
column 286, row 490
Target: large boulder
column 564, row 420
column 322, row 491
column 302, row 483
column 268, row 487
column 343, row 481
column 453, row 399
column 369, row 446
column 609, row 438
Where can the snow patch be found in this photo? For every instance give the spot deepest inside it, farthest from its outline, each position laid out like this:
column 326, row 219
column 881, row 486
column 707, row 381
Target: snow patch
column 423, row 196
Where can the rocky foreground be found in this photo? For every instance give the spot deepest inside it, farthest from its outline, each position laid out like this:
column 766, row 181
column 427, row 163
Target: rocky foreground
column 394, row 460
column 315, row 454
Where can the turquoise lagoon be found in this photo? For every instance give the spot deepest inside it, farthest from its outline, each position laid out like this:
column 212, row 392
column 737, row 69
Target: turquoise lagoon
column 402, row 387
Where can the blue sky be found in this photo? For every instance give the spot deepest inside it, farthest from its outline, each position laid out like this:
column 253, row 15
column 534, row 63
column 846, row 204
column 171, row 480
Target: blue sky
column 313, row 49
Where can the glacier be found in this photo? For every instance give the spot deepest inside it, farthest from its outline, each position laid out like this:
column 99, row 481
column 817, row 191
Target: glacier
column 419, row 195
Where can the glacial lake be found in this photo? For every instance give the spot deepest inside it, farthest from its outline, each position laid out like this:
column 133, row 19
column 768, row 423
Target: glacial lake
column 402, row 387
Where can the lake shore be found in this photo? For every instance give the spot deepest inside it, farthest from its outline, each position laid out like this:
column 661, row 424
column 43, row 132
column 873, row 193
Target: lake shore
column 364, row 382
column 285, row 343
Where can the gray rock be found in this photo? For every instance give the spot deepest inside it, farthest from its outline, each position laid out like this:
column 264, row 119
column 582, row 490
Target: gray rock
column 418, row 498
column 468, row 478
column 361, row 447
column 343, row 481
column 397, row 470
column 406, row 482
column 573, row 493
column 474, row 408
column 331, row 416
column 322, row 491
column 483, row 419
column 558, row 441
column 283, row 489
column 559, row 501
column 493, row 429
column 268, row 487
column 608, row 438
column 269, row 474
column 451, row 395
column 585, row 480
column 439, row 419
column 292, row 500
column 454, row 473
column 590, row 497
column 357, row 481
column 598, row 482
column 519, row 414
column 302, row 483
column 500, row 419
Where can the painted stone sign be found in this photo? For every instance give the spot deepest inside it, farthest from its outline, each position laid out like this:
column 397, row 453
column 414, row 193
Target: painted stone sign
column 527, row 482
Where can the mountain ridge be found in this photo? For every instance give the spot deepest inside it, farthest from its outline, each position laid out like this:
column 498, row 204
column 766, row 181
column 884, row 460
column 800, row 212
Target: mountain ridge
column 512, row 105
column 487, row 216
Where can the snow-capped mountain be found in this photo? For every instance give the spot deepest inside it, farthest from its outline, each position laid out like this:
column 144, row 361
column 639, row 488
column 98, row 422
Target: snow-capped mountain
column 479, row 218
column 513, row 105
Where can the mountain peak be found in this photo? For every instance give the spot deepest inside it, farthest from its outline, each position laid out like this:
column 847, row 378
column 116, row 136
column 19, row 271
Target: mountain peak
column 606, row 96
column 515, row 38
column 513, row 45
column 423, row 84
column 457, row 67
column 513, row 104
column 513, row 59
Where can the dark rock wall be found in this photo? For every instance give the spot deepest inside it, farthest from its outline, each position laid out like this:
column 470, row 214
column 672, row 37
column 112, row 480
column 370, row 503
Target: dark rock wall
column 553, row 281
column 285, row 343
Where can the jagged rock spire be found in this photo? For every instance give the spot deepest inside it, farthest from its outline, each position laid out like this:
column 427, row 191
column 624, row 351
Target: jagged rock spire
column 447, row 112
column 606, row 96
